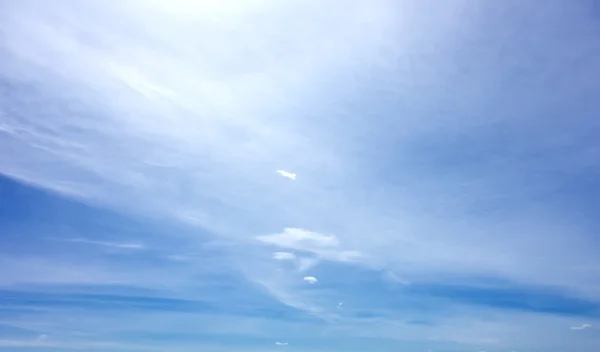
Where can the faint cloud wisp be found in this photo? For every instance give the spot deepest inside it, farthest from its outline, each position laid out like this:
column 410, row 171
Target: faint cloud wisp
column 134, row 246
column 582, row 327
column 284, row 256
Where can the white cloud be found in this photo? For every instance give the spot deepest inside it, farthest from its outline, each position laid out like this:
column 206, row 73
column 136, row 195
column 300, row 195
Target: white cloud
column 284, row 256
column 301, row 239
column 582, row 327
column 310, row 279
column 322, row 247
column 289, row 175
column 281, row 343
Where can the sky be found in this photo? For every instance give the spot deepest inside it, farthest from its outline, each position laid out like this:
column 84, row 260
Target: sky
column 299, row 176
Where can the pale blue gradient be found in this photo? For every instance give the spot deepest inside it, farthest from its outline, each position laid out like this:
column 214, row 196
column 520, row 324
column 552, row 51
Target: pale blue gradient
column 445, row 190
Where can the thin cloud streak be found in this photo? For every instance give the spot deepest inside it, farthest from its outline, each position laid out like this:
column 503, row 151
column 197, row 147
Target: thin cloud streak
column 135, row 246
column 582, row 327
column 284, row 256
column 286, row 174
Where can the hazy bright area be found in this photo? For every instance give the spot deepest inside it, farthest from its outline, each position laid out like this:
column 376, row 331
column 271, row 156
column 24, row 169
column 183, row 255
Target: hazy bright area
column 300, row 176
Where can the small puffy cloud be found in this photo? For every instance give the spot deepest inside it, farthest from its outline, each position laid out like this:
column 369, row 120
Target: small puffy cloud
column 310, row 279
column 582, row 327
column 289, row 175
column 340, row 304
column 281, row 343
column 284, row 256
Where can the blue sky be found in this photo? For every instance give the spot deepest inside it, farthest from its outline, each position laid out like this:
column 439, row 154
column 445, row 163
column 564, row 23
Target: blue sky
column 302, row 176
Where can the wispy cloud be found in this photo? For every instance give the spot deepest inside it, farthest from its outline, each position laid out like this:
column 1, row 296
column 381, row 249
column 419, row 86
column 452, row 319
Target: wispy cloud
column 135, row 246
column 184, row 158
column 23, row 344
column 281, row 343
column 286, row 174
column 40, row 341
column 582, row 327
column 284, row 256
column 393, row 278
column 300, row 239
column 431, row 142
column 324, row 246
column 178, row 257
